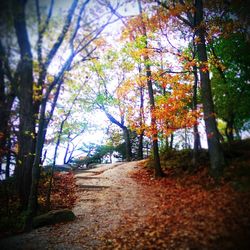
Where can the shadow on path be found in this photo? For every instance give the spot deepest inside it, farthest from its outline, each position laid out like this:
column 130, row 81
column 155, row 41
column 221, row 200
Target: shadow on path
column 90, row 177
column 93, row 187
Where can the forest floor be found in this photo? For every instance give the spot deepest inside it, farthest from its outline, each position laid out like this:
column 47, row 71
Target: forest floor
column 120, row 206
column 106, row 197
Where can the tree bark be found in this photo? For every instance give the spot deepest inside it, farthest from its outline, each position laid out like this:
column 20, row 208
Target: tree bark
column 141, row 135
column 140, row 146
column 157, row 163
column 65, row 161
column 171, row 141
column 214, row 147
column 8, row 158
column 42, row 129
column 26, row 137
column 3, row 123
column 48, row 195
column 126, row 136
column 229, row 129
column 197, row 142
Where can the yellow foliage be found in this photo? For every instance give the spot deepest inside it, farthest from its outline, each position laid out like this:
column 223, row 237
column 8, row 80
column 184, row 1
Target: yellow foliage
column 37, row 92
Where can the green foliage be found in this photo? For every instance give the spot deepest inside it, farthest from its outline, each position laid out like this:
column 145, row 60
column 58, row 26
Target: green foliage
column 231, row 89
column 140, row 42
column 221, row 127
column 96, row 154
column 121, row 149
column 106, row 100
column 111, row 57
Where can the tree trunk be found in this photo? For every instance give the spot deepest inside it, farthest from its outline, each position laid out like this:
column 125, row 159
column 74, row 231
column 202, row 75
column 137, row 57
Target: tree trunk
column 128, row 143
column 229, row 130
column 65, row 161
column 110, row 157
column 238, row 136
column 43, row 123
column 214, row 147
column 197, row 142
column 42, row 129
column 157, row 163
column 8, row 159
column 48, row 195
column 125, row 131
column 171, row 141
column 3, row 123
column 147, row 149
column 140, row 147
column 26, row 137
column 141, row 135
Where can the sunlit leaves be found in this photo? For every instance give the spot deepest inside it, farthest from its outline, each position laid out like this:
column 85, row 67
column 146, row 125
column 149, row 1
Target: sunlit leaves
column 172, row 112
column 37, row 92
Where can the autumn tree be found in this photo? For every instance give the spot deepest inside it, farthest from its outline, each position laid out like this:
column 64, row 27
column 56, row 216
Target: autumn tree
column 215, row 150
column 192, row 16
column 228, row 40
column 170, row 91
column 146, row 61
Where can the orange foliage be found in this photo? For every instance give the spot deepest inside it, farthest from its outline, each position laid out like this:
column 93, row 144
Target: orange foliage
column 171, row 110
column 173, row 92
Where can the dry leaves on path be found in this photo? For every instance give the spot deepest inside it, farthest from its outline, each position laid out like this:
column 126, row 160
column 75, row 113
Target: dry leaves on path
column 190, row 213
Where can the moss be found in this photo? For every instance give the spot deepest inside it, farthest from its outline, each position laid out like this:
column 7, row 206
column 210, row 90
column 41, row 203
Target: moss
column 53, row 217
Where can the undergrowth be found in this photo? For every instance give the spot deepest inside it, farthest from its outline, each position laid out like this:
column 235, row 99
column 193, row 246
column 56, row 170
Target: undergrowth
column 12, row 218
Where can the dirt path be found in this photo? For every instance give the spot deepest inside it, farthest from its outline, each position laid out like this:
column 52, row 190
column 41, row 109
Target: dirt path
column 107, row 195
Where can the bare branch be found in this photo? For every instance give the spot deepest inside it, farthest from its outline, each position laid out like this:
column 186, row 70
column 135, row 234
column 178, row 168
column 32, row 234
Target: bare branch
column 41, row 29
column 61, row 37
column 78, row 24
column 48, row 17
column 175, row 72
